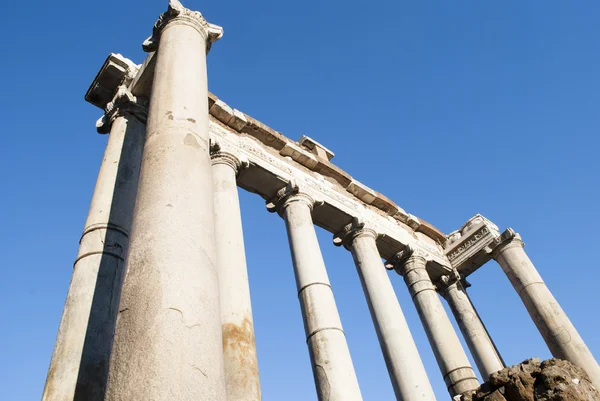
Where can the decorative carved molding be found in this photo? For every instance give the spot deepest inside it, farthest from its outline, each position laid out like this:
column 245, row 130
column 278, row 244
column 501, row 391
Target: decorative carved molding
column 123, row 102
column 509, row 238
column 116, row 71
column 288, row 194
column 221, row 155
column 471, row 241
column 358, row 228
column 409, row 254
column 317, row 187
column 177, row 13
column 466, row 248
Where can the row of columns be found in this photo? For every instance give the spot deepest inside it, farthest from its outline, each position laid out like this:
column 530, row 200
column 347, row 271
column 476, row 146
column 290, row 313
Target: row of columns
column 176, row 322
column 80, row 360
column 451, row 358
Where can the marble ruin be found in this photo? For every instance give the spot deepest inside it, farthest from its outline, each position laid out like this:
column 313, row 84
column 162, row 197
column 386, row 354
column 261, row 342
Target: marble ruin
column 159, row 303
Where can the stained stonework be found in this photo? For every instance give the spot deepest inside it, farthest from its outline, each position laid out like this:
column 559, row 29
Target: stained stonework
column 180, row 323
column 532, row 380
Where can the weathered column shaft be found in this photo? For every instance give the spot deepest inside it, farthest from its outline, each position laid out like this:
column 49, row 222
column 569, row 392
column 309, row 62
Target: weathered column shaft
column 451, row 358
column 79, row 365
column 239, row 345
column 332, row 365
column 557, row 330
column 404, row 364
column 480, row 344
column 168, row 342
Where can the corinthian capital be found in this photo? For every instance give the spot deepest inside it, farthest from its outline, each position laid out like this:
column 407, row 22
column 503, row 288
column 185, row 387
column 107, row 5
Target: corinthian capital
column 123, row 102
column 178, row 14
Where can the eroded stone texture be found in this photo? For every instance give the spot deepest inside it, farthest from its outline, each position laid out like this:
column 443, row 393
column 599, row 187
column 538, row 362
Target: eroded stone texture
column 239, row 345
column 532, row 380
column 168, row 340
column 79, row 366
column 333, row 370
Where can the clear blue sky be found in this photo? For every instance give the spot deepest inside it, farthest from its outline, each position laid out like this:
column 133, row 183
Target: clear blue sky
column 448, row 108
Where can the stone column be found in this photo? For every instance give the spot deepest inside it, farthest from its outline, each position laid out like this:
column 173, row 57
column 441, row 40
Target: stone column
column 404, row 364
column 557, row 330
column 168, row 342
column 333, row 370
column 486, row 356
column 239, row 345
column 451, row 358
column 79, row 365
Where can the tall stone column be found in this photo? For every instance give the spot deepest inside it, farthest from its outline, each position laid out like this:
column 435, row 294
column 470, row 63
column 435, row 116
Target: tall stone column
column 79, row 365
column 239, row 345
column 333, row 370
column 486, row 356
column 168, row 342
column 404, row 364
column 451, row 358
column 557, row 330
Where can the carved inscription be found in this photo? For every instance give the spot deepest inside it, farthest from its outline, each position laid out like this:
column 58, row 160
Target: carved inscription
column 317, row 187
column 468, row 244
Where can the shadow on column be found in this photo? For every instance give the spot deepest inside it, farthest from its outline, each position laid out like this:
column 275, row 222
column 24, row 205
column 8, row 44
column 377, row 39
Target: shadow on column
column 97, row 347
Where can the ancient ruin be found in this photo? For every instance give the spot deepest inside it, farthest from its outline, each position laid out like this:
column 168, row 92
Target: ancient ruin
column 165, row 210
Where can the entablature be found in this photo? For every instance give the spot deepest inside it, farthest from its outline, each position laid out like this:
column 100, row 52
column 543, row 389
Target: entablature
column 471, row 246
column 275, row 160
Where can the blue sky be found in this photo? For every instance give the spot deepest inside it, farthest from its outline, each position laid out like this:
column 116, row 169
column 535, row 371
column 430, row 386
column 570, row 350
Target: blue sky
column 448, row 108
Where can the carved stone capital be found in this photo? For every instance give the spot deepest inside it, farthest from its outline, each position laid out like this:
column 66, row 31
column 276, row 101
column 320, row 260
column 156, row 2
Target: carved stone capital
column 220, row 155
column 407, row 259
column 447, row 281
column 123, row 103
column 289, row 194
column 508, row 239
column 178, row 14
column 358, row 228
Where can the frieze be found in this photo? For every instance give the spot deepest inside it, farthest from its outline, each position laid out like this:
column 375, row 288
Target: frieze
column 473, row 239
column 319, row 188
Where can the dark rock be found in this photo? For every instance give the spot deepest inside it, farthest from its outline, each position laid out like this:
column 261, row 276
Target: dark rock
column 495, row 396
column 562, row 381
column 532, row 380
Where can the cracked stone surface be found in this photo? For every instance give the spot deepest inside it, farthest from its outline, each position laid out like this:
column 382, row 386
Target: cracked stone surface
column 532, row 380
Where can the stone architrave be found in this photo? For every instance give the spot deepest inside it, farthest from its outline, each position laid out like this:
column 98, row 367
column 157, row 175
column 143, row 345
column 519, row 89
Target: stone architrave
column 466, row 248
column 454, row 364
column 79, row 365
column 168, row 341
column 239, row 344
column 332, row 365
column 402, row 359
column 483, row 349
column 558, row 332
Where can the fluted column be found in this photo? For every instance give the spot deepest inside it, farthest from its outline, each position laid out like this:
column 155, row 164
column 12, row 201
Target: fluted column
column 239, row 345
column 168, row 342
column 557, row 330
column 333, row 370
column 487, row 357
column 79, row 365
column 402, row 359
column 451, row 358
